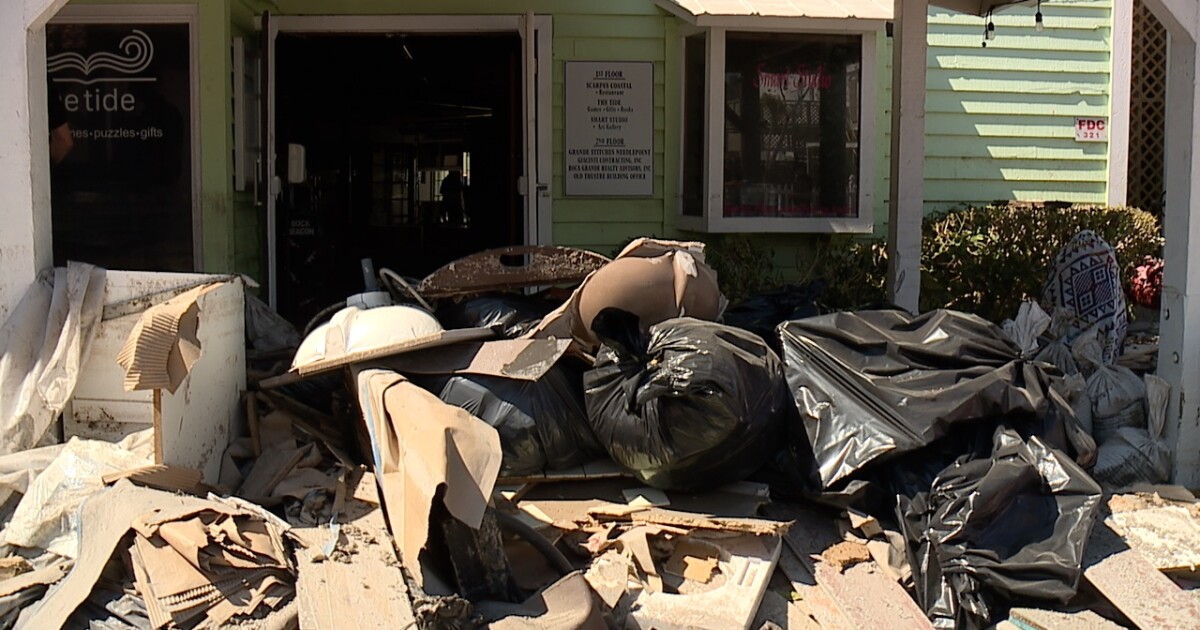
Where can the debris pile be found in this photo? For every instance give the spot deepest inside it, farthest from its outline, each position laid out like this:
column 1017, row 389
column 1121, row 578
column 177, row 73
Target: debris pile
column 617, row 451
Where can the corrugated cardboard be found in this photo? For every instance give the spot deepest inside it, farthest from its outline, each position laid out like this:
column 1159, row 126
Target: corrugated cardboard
column 106, row 517
column 420, row 443
column 163, row 346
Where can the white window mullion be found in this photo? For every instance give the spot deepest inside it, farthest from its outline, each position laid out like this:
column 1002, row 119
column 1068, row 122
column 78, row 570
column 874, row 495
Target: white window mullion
column 714, row 141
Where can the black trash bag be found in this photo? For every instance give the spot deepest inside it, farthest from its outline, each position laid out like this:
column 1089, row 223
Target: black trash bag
column 1010, row 525
column 874, row 386
column 694, row 405
column 542, row 424
column 762, row 313
column 511, row 314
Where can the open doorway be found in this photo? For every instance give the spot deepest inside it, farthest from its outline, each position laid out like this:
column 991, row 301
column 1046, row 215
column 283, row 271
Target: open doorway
column 406, row 149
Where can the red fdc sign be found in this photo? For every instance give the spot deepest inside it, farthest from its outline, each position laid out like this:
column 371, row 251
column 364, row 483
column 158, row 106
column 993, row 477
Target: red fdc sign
column 1091, row 129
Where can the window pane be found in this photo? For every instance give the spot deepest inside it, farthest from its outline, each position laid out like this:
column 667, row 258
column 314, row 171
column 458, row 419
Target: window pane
column 791, row 125
column 693, row 126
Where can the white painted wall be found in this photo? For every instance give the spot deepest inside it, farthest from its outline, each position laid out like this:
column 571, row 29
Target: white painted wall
column 1179, row 346
column 906, row 196
column 24, row 147
column 1118, row 118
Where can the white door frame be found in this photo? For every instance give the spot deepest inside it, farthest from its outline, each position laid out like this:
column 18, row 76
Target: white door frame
column 536, row 104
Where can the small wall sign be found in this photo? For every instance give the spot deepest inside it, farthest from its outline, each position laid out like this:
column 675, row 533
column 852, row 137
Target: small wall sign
column 609, row 134
column 1091, row 130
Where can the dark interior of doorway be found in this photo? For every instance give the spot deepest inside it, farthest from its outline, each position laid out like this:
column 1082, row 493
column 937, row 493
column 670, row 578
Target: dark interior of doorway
column 383, row 120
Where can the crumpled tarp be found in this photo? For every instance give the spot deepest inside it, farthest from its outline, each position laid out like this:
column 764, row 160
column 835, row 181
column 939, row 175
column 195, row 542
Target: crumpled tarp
column 876, row 385
column 43, row 345
column 18, row 470
column 1012, row 524
column 48, row 515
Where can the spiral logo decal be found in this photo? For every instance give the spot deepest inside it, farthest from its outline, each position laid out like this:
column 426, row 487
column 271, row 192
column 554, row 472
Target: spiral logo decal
column 137, row 49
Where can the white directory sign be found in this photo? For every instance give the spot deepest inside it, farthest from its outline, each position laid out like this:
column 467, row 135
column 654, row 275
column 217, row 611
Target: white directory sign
column 1091, row 130
column 609, row 137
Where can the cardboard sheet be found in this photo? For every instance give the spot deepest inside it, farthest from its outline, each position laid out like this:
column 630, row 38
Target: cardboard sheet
column 106, row 517
column 48, row 575
column 164, row 344
column 420, row 443
column 523, row 359
column 433, row 340
column 655, row 279
column 213, row 560
column 162, row 477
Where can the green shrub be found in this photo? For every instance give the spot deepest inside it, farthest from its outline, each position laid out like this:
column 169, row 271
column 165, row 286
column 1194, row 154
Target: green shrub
column 987, row 260
column 853, row 269
column 744, row 267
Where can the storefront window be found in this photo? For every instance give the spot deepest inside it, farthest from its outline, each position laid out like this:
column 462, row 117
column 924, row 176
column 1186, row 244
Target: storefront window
column 122, row 192
column 791, row 117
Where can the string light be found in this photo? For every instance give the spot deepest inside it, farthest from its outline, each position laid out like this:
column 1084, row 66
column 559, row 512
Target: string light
column 1037, row 18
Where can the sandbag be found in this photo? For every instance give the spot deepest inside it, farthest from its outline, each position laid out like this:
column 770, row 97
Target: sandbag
column 1118, row 395
column 1024, row 330
column 1138, row 455
column 874, row 386
column 511, row 313
column 1011, row 525
column 1085, row 281
column 691, row 405
column 542, row 424
column 1055, row 349
column 1073, row 389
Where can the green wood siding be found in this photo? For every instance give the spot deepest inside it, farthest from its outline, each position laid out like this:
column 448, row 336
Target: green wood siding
column 1000, row 120
column 615, row 30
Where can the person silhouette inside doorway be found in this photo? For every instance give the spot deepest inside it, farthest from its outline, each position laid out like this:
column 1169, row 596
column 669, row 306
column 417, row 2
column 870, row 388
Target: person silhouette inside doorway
column 452, row 188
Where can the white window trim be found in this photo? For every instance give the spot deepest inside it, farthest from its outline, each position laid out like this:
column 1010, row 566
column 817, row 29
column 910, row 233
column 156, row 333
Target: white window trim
column 712, row 219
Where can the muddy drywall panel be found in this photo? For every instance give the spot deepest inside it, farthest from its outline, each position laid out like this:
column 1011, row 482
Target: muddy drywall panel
column 199, row 417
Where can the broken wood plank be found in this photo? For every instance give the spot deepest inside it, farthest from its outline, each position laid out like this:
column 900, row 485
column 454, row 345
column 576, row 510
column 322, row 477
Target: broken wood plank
column 1038, row 619
column 813, row 599
column 688, row 520
column 1168, row 537
column 1147, row 597
column 784, row 614
column 597, row 469
column 862, row 591
column 362, row 585
column 269, row 469
column 161, row 477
